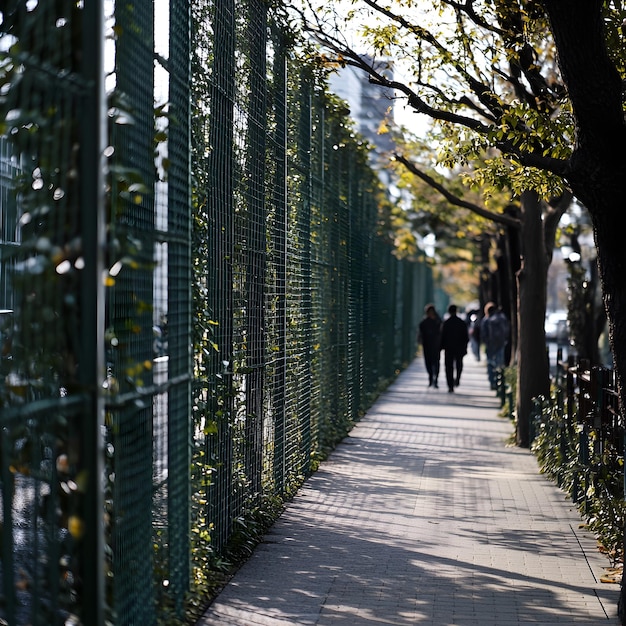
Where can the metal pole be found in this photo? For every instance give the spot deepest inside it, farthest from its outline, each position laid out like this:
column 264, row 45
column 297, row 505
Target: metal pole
column 92, row 367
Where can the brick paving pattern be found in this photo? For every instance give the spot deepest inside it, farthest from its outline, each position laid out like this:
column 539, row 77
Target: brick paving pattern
column 425, row 515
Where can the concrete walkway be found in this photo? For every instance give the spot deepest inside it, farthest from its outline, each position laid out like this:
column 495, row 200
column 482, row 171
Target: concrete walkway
column 424, row 515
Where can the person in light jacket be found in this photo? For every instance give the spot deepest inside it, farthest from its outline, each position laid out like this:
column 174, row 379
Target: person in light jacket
column 495, row 330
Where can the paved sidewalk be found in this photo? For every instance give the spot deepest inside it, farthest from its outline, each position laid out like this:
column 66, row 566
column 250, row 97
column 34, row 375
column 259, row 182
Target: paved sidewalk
column 424, row 515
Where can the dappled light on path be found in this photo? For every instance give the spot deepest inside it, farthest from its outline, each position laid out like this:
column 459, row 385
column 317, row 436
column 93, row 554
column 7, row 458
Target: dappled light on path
column 424, row 515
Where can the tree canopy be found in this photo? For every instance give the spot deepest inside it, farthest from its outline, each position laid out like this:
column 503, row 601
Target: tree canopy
column 532, row 87
column 483, row 72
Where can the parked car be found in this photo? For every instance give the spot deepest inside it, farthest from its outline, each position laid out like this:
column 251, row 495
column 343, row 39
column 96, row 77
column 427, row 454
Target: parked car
column 556, row 326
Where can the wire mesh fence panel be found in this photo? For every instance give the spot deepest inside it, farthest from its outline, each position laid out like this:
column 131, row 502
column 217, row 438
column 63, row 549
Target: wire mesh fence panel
column 213, row 59
column 300, row 340
column 51, row 302
column 275, row 347
column 195, row 301
column 129, row 316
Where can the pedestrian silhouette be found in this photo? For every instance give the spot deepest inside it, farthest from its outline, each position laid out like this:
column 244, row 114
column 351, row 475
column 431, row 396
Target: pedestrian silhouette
column 495, row 329
column 430, row 338
column 454, row 340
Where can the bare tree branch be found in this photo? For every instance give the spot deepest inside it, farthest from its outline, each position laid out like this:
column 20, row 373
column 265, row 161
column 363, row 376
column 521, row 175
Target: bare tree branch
column 500, row 218
column 467, row 8
column 480, row 90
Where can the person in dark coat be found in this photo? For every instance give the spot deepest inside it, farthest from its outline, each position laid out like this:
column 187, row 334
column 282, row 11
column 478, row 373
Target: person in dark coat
column 454, row 340
column 430, row 338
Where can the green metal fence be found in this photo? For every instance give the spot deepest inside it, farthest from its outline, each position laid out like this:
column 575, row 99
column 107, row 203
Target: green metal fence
column 197, row 301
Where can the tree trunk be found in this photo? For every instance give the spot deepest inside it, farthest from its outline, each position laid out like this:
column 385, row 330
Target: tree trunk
column 533, row 370
column 514, row 256
column 598, row 164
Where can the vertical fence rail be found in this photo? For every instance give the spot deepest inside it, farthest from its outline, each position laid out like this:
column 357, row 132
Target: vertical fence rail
column 195, row 302
column 219, row 226
column 276, row 348
column 179, row 304
column 130, row 308
column 255, row 240
column 92, row 359
column 51, row 260
column 299, row 384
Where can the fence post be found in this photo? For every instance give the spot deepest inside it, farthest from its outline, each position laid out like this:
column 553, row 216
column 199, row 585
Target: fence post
column 535, row 418
column 501, row 386
column 254, row 251
column 305, row 150
column 569, row 391
column 92, row 366
column 559, row 366
column 179, row 304
column 279, row 244
column 583, row 459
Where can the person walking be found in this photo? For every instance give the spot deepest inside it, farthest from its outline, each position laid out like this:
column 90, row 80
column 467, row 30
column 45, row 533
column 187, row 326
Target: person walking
column 454, row 340
column 494, row 333
column 430, row 338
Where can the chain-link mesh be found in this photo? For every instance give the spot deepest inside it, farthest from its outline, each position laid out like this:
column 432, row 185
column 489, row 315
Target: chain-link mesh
column 195, row 302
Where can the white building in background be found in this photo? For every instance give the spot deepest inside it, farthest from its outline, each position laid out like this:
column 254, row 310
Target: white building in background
column 369, row 105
